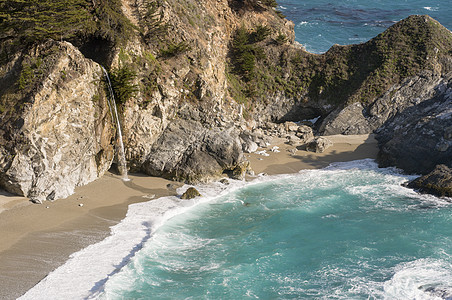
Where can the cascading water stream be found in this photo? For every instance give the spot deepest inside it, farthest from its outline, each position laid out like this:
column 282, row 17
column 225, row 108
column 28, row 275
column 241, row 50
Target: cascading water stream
column 122, row 165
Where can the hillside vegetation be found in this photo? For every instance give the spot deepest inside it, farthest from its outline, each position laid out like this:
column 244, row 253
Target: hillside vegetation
column 344, row 74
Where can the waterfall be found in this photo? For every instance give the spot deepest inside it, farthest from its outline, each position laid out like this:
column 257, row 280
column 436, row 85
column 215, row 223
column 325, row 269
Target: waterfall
column 122, row 165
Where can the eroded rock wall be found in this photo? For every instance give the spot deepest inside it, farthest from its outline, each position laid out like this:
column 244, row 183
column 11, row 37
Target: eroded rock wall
column 189, row 89
column 420, row 137
column 62, row 134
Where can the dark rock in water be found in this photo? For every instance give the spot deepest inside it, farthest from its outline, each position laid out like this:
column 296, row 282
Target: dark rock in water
column 438, row 291
column 224, row 181
column 319, row 145
column 418, row 139
column 190, row 193
column 438, row 182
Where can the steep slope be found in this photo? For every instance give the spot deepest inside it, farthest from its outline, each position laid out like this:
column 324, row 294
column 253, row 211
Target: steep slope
column 354, row 88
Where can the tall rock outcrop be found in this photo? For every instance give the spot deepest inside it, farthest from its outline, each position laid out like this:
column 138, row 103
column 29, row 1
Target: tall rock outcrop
column 55, row 124
column 409, row 62
column 420, row 137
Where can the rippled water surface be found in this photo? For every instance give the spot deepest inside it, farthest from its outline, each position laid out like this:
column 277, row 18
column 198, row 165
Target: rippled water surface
column 347, row 232
column 320, row 24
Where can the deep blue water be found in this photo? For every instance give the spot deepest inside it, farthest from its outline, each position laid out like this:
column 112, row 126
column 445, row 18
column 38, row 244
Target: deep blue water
column 322, row 23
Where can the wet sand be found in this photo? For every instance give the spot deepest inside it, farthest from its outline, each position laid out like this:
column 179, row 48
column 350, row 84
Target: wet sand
column 36, row 239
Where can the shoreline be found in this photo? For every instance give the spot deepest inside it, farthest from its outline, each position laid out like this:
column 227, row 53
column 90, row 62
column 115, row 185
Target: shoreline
column 34, row 240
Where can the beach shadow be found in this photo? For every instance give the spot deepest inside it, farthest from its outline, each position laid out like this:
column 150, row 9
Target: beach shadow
column 368, row 149
column 99, row 285
column 8, row 194
column 146, row 190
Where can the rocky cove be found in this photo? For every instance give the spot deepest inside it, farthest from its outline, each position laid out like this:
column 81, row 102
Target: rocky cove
column 197, row 85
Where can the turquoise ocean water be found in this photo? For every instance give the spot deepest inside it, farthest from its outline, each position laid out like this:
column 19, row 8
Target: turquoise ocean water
column 350, row 231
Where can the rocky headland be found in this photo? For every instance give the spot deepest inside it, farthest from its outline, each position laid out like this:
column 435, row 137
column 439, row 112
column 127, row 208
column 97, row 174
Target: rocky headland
column 199, row 84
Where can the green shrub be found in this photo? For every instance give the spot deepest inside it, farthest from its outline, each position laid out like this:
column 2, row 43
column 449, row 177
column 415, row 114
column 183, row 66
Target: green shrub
column 271, row 3
column 280, row 14
column 280, row 39
column 122, row 84
column 260, row 33
column 34, row 21
column 174, row 49
column 244, row 53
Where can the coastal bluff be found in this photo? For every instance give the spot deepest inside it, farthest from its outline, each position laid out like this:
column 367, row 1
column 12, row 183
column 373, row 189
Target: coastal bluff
column 196, row 84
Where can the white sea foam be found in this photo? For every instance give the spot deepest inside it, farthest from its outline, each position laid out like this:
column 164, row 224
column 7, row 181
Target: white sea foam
column 420, row 279
column 429, row 8
column 84, row 275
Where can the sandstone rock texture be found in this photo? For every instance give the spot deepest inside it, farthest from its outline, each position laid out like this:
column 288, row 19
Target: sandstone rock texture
column 182, row 123
column 56, row 134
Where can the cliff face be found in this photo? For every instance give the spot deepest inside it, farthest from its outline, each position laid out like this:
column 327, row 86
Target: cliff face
column 420, row 137
column 181, row 124
column 55, row 125
column 169, row 56
column 190, row 80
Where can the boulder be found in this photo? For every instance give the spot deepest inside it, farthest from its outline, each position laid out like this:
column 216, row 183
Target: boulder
column 249, row 141
column 305, row 134
column 187, row 151
column 438, row 182
column 293, row 140
column 290, row 126
column 319, row 145
column 346, row 120
column 190, row 193
column 249, row 146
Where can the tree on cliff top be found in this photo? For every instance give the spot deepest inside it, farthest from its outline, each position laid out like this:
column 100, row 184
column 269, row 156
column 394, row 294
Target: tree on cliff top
column 34, row 20
column 31, row 21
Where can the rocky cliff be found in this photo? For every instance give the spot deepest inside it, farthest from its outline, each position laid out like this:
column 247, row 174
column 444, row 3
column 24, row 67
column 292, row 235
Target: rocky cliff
column 420, row 137
column 419, row 140
column 191, row 81
column 55, row 125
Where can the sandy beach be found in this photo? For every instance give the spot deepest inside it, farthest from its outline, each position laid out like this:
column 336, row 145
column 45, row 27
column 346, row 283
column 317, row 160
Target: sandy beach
column 36, row 239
